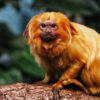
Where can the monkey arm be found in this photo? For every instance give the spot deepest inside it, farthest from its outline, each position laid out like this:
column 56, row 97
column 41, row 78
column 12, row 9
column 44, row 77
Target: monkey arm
column 72, row 71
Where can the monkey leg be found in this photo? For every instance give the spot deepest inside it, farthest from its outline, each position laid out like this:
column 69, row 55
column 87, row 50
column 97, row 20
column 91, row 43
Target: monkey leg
column 48, row 77
column 69, row 76
column 70, row 81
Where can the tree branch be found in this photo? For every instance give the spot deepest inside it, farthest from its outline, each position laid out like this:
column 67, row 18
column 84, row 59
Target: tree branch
column 23, row 91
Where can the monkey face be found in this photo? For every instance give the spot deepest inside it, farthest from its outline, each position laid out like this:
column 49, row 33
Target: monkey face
column 48, row 29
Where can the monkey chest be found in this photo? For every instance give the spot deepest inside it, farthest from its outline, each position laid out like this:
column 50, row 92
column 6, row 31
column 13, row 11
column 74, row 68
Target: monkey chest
column 58, row 63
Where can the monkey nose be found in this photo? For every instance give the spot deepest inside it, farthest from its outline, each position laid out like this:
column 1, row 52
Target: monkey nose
column 47, row 37
column 48, row 31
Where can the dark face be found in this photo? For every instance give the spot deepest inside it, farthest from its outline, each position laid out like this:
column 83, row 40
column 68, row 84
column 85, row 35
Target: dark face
column 48, row 29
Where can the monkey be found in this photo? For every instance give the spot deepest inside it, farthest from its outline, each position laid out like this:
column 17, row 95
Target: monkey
column 61, row 46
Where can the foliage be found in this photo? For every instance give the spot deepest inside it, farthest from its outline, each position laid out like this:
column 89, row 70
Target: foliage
column 14, row 3
column 25, row 62
column 6, row 38
column 69, row 6
column 10, row 76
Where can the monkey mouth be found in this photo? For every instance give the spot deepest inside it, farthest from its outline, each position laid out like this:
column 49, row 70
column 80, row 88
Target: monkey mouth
column 47, row 37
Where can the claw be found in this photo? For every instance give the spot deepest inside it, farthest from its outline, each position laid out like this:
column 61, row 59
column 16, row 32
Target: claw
column 57, row 85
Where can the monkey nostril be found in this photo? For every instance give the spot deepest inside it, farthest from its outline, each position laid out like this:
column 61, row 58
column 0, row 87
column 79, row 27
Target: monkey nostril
column 48, row 31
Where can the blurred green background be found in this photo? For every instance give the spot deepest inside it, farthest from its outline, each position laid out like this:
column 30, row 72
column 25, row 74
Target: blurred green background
column 16, row 62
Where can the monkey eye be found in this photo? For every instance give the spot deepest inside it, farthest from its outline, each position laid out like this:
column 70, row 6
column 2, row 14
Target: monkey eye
column 43, row 25
column 53, row 25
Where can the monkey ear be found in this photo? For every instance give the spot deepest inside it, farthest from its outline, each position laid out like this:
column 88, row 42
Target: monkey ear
column 26, row 35
column 73, row 29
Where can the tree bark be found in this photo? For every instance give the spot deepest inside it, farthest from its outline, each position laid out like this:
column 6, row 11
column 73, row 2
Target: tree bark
column 23, row 91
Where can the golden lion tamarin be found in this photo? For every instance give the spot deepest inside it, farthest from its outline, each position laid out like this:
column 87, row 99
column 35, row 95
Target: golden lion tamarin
column 62, row 46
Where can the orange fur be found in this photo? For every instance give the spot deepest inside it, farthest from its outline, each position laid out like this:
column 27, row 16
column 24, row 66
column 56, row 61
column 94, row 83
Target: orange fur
column 74, row 53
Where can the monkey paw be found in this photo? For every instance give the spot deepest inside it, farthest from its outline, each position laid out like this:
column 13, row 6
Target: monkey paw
column 58, row 85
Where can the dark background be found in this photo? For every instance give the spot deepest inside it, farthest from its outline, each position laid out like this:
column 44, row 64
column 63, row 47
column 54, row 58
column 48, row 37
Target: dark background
column 16, row 62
